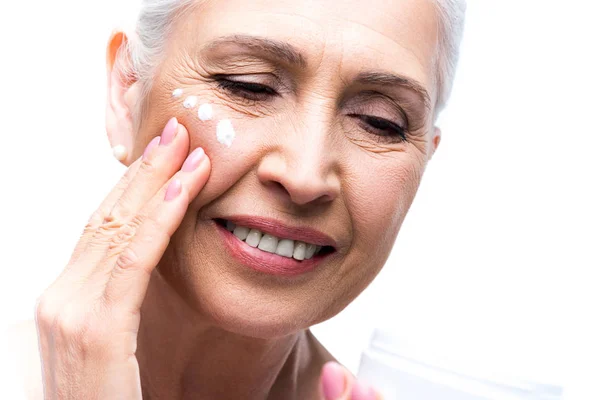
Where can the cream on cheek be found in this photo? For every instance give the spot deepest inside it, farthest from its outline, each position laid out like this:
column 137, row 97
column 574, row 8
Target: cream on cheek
column 190, row 102
column 205, row 112
column 225, row 132
column 177, row 93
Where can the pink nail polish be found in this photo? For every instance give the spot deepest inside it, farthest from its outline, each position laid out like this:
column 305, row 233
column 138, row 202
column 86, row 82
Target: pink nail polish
column 333, row 381
column 362, row 391
column 193, row 161
column 173, row 190
column 151, row 146
column 169, row 132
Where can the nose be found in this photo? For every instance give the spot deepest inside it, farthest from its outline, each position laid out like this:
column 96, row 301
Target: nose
column 302, row 168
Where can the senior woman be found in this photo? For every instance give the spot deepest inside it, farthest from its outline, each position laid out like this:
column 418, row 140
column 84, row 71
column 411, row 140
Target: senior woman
column 274, row 148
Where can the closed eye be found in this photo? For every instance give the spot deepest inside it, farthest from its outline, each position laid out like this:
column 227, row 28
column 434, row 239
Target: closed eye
column 381, row 127
column 247, row 90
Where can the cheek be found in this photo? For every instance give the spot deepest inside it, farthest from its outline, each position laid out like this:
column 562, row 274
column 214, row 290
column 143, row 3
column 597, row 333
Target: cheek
column 227, row 138
column 382, row 193
column 233, row 144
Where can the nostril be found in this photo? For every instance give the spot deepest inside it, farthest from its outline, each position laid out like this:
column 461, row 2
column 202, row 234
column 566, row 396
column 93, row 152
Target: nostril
column 300, row 188
column 279, row 187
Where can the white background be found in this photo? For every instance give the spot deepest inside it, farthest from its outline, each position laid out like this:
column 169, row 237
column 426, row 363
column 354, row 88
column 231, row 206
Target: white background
column 496, row 267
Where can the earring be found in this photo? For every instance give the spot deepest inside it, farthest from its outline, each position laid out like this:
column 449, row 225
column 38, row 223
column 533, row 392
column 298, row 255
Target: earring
column 120, row 153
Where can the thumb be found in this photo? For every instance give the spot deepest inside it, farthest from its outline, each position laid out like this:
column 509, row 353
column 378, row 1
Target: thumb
column 336, row 382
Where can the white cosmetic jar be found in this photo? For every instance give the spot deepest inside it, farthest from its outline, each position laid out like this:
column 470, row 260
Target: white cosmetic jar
column 386, row 366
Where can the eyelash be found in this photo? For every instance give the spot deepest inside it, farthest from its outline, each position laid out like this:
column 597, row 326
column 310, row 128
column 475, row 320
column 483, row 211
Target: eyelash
column 248, row 90
column 375, row 125
column 259, row 92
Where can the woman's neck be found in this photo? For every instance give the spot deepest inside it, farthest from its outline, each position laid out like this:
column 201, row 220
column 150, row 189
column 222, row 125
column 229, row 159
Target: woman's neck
column 181, row 357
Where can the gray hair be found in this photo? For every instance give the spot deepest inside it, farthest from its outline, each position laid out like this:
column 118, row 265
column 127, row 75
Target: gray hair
column 452, row 21
column 156, row 18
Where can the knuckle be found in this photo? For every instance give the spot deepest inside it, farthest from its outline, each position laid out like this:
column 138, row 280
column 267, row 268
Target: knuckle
column 111, row 223
column 110, row 227
column 77, row 326
column 136, row 221
column 122, row 236
column 147, row 168
column 93, row 223
column 70, row 324
column 128, row 259
column 45, row 312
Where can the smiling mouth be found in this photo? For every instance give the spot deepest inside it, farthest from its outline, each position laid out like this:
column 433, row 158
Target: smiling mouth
column 292, row 249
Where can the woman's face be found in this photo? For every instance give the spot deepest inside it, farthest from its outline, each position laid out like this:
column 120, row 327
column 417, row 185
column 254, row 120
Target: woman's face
column 331, row 104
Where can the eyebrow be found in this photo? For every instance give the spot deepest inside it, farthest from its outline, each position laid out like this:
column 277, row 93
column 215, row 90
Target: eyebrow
column 274, row 48
column 284, row 51
column 388, row 79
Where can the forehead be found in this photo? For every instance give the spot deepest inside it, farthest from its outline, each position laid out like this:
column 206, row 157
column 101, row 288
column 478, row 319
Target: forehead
column 350, row 36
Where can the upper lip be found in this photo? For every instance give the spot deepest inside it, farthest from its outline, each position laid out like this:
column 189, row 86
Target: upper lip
column 283, row 231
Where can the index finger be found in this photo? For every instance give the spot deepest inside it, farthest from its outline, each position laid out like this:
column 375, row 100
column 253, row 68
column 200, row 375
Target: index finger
column 104, row 209
column 132, row 265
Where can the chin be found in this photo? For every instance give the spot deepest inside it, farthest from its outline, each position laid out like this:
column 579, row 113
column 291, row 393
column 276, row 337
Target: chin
column 236, row 303
column 260, row 321
column 245, row 291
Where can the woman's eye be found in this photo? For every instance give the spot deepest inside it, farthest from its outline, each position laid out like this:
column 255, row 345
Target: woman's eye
column 247, row 90
column 381, row 127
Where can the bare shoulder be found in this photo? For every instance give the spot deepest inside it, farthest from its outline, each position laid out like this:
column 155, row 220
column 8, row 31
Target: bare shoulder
column 22, row 363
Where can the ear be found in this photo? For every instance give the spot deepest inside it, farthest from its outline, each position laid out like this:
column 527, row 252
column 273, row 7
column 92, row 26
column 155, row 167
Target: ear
column 123, row 94
column 437, row 137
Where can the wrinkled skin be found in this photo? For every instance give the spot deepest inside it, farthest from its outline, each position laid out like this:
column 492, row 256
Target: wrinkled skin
column 298, row 157
column 318, row 145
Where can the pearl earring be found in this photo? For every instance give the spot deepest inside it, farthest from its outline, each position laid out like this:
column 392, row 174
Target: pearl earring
column 120, row 153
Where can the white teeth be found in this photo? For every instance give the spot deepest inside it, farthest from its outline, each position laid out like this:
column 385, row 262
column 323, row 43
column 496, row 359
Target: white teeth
column 285, row 248
column 253, row 238
column 231, row 226
column 268, row 243
column 241, row 232
column 310, row 251
column 299, row 251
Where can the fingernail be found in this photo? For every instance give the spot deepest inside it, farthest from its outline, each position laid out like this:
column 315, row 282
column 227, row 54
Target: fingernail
column 193, row 161
column 362, row 391
column 150, row 146
column 173, row 190
column 333, row 381
column 169, row 132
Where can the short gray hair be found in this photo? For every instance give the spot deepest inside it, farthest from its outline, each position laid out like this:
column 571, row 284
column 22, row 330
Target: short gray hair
column 452, row 21
column 156, row 18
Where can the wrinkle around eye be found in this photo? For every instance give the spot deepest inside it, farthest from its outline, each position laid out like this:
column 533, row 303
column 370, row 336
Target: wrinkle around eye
column 187, row 71
column 255, row 110
column 372, row 148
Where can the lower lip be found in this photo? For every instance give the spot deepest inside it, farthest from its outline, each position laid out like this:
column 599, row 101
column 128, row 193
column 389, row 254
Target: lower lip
column 264, row 262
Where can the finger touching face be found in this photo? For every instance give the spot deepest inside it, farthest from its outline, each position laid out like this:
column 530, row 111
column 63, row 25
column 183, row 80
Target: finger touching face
column 317, row 117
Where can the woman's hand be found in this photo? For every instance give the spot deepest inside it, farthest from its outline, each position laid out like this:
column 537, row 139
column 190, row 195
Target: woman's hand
column 88, row 319
column 337, row 383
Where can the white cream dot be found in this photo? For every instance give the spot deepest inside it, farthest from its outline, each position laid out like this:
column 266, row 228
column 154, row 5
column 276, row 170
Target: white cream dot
column 190, row 102
column 177, row 93
column 225, row 132
column 205, row 112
